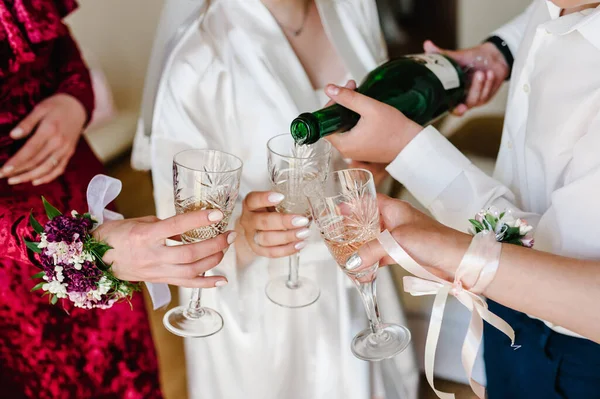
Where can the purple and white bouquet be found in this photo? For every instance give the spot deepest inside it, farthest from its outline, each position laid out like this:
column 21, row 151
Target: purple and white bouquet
column 71, row 262
column 505, row 226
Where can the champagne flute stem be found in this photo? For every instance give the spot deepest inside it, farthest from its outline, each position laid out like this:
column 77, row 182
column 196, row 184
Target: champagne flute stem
column 194, row 309
column 369, row 298
column 293, row 276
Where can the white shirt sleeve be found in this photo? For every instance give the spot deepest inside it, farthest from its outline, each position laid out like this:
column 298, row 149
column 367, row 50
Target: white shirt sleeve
column 446, row 182
column 454, row 190
column 512, row 33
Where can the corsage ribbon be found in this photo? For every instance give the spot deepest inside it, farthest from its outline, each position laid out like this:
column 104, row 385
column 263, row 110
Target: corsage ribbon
column 101, row 191
column 479, row 264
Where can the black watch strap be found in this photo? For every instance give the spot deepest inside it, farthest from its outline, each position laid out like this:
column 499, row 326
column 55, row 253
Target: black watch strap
column 502, row 46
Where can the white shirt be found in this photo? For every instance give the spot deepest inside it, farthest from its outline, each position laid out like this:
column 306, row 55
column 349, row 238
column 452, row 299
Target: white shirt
column 548, row 167
column 231, row 83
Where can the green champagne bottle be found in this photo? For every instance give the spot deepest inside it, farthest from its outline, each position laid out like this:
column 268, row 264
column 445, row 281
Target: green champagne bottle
column 422, row 87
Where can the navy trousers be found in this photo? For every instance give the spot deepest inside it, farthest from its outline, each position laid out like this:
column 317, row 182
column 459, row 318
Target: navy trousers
column 548, row 365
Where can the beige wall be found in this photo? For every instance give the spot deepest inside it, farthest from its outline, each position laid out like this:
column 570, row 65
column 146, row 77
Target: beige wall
column 119, row 35
column 476, row 20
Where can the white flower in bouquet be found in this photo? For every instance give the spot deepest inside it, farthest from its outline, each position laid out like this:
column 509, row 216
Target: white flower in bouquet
column 56, row 287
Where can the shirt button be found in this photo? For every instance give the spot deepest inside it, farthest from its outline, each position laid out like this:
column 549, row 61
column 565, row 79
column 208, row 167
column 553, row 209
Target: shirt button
column 526, row 88
column 509, row 145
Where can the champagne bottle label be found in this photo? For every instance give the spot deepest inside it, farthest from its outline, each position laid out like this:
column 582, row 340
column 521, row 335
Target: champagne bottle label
column 441, row 67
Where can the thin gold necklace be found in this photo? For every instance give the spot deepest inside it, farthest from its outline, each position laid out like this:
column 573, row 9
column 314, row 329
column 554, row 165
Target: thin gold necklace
column 296, row 32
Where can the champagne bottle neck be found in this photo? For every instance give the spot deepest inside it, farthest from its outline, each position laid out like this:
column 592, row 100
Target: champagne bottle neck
column 308, row 128
column 304, row 129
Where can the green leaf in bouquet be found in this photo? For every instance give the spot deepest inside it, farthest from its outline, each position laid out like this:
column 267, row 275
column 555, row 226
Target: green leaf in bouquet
column 88, row 216
column 38, row 286
column 51, row 211
column 101, row 264
column 54, row 300
column 98, row 249
column 477, row 225
column 33, row 247
column 512, row 233
column 491, row 220
column 101, row 248
column 502, row 215
column 38, row 275
column 37, row 227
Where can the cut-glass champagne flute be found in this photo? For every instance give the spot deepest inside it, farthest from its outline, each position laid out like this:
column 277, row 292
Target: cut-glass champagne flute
column 345, row 210
column 202, row 179
column 291, row 167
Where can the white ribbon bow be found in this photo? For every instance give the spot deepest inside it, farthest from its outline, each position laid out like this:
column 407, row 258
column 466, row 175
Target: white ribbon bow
column 101, row 191
column 426, row 283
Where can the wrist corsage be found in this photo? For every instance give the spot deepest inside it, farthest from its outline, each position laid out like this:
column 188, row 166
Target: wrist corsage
column 504, row 225
column 475, row 272
column 71, row 262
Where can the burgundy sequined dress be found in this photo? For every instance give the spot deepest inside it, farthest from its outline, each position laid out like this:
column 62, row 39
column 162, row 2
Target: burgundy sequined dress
column 46, row 353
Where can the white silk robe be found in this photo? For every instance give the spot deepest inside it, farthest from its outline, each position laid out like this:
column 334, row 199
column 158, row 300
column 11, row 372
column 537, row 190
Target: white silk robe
column 231, row 82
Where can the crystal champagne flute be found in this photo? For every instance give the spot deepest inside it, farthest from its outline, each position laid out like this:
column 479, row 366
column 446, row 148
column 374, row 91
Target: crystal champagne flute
column 202, row 179
column 291, row 167
column 345, row 210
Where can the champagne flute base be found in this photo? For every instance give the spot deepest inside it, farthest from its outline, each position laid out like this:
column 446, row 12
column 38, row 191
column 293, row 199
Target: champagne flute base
column 388, row 342
column 304, row 293
column 179, row 322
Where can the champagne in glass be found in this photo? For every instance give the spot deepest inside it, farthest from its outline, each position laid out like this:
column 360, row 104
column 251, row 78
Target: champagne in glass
column 291, row 167
column 345, row 210
column 205, row 232
column 202, row 179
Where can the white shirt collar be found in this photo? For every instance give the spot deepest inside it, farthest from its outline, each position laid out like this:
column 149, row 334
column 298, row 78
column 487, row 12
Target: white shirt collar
column 586, row 22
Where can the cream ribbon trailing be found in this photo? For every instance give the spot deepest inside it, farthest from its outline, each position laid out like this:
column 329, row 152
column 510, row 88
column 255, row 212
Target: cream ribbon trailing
column 479, row 264
column 101, row 191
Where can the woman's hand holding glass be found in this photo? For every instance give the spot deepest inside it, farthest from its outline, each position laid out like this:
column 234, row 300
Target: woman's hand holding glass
column 345, row 210
column 269, row 233
column 417, row 233
column 140, row 254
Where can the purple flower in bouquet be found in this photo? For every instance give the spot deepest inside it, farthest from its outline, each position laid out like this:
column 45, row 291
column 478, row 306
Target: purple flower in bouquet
column 67, row 229
column 83, row 280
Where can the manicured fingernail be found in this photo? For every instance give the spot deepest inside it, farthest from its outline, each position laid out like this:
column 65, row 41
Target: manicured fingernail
column 332, row 90
column 7, row 169
column 300, row 245
column 275, row 198
column 14, row 180
column 353, row 262
column 300, row 221
column 302, row 234
column 17, row 133
column 231, row 237
column 36, row 182
column 221, row 283
column 479, row 76
column 215, row 216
